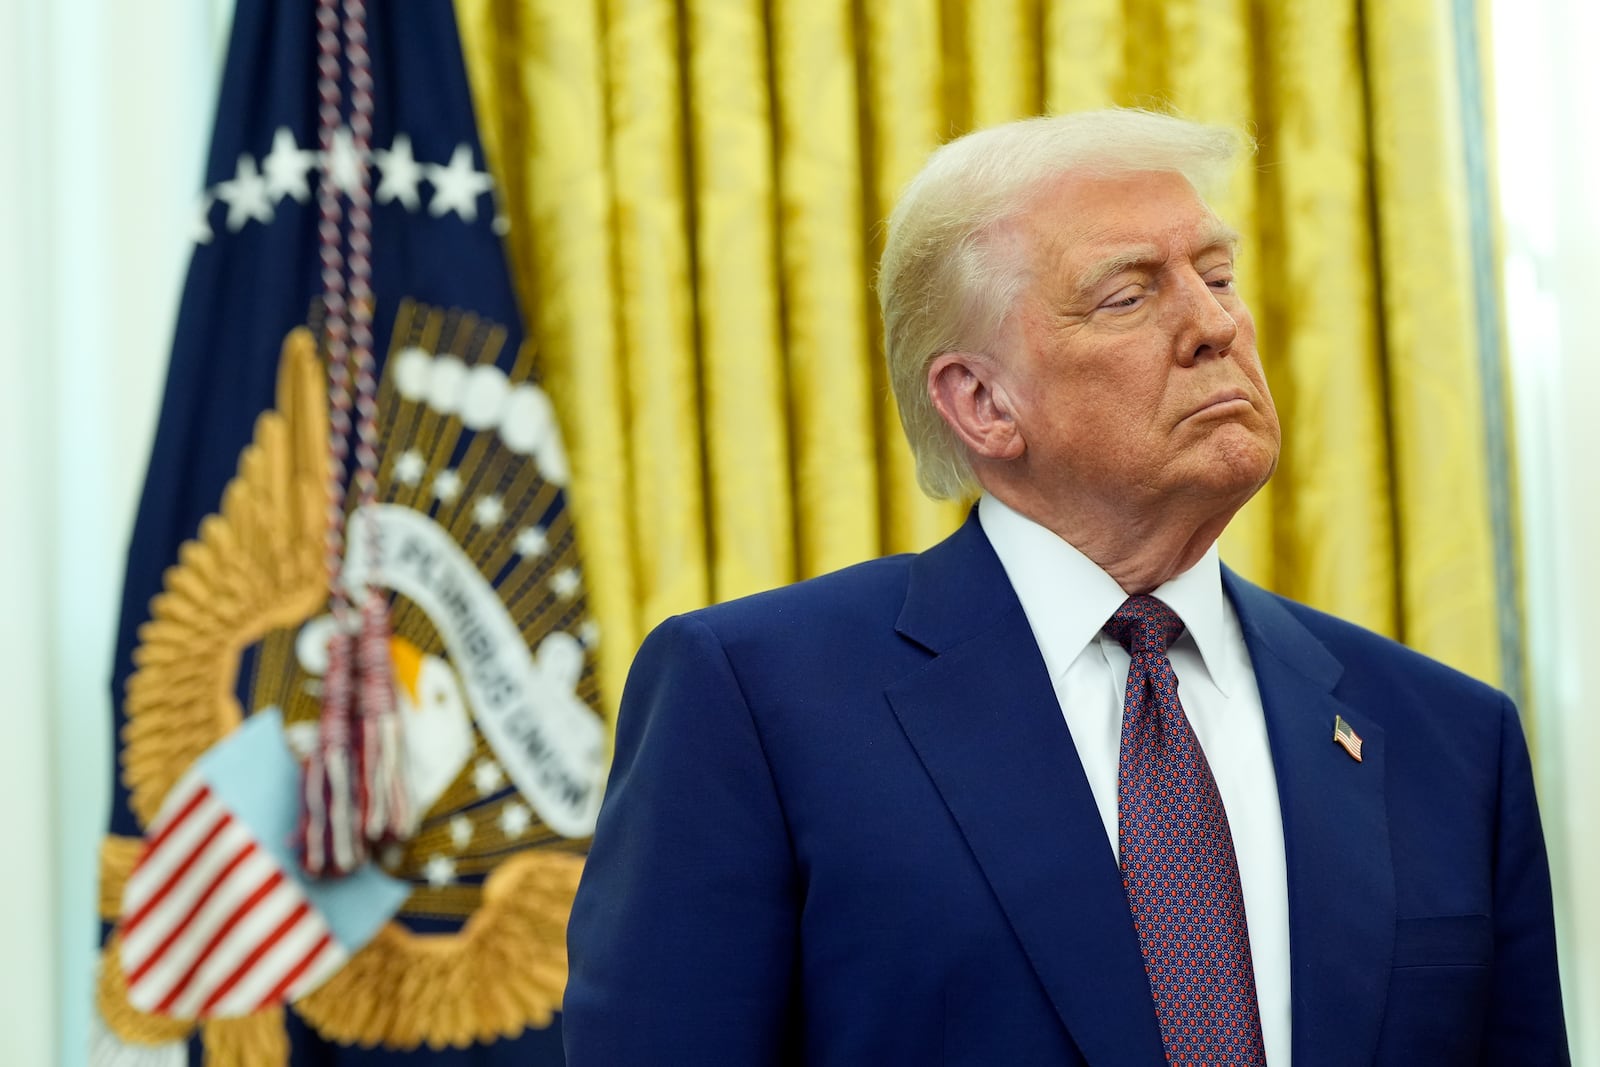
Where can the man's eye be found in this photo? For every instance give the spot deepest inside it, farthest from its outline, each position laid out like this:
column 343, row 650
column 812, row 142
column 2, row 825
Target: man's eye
column 1221, row 284
column 1123, row 302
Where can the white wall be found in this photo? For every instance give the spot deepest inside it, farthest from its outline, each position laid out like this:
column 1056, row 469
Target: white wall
column 27, row 911
column 105, row 110
column 1548, row 86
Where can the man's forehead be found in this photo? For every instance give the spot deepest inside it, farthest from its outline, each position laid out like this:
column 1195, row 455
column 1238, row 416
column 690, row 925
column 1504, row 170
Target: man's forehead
column 1201, row 236
column 1142, row 215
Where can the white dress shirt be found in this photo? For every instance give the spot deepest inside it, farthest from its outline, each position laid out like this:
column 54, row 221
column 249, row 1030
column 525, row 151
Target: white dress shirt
column 1067, row 599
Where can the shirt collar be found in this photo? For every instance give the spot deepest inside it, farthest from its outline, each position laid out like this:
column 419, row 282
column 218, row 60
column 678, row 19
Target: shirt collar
column 1068, row 598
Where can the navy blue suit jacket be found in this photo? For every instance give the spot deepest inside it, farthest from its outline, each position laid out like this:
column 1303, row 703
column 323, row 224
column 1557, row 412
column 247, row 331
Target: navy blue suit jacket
column 846, row 824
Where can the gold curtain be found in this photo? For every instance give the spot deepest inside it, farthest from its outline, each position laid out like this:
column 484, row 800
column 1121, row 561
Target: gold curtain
column 696, row 190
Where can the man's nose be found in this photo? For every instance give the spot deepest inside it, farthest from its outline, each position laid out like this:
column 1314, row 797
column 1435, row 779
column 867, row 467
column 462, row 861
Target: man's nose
column 1208, row 327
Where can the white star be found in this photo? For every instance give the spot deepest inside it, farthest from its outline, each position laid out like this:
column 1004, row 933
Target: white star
column 343, row 162
column 401, row 173
column 246, row 195
column 501, row 225
column 488, row 510
column 564, row 584
column 460, row 831
column 439, row 871
column 515, row 818
column 457, row 186
column 487, row 777
column 202, row 223
column 532, row 541
column 409, row 467
column 589, row 634
column 446, row 485
column 286, row 167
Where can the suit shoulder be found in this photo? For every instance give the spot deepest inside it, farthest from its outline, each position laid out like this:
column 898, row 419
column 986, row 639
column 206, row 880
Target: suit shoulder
column 869, row 593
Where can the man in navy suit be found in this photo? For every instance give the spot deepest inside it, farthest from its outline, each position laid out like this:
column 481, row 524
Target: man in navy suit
column 1063, row 789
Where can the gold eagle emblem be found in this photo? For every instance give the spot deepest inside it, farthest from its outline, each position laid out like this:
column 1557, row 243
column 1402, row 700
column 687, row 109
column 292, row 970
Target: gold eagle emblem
column 478, row 951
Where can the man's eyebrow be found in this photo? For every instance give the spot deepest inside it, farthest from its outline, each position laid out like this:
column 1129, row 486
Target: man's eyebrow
column 1221, row 237
column 1096, row 275
column 1148, row 257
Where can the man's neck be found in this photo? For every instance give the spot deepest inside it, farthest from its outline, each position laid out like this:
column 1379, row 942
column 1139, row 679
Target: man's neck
column 1140, row 552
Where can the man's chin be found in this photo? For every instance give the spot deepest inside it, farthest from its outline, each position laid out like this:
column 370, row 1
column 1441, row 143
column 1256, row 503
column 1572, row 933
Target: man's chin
column 1239, row 464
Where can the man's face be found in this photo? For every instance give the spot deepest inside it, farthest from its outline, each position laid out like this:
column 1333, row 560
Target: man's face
column 1130, row 362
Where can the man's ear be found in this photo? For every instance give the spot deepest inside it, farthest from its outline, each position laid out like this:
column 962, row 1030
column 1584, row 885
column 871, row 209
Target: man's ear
column 965, row 392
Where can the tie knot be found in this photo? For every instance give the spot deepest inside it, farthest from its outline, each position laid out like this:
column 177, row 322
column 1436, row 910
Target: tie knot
column 1144, row 624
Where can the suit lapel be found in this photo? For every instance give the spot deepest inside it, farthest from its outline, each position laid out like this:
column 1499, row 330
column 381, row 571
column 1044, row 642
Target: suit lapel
column 983, row 718
column 1336, row 837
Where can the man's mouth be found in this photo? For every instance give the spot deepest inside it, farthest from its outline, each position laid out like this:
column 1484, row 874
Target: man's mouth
column 1223, row 402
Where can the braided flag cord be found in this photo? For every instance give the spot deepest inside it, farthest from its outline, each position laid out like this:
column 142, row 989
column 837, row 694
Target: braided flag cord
column 354, row 793
column 384, row 817
column 1178, row 863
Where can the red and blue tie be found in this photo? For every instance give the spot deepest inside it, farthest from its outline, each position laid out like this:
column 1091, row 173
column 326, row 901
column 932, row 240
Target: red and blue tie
column 1178, row 863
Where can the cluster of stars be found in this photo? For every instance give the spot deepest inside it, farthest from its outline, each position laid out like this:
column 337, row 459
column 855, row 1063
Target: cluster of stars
column 514, row 820
column 484, row 399
column 255, row 190
column 531, row 542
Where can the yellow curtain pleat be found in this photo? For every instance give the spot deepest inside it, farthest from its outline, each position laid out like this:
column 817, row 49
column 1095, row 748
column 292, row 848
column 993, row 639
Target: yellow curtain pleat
column 1003, row 61
column 824, row 300
column 1447, row 592
column 1325, row 353
column 697, row 188
column 905, row 117
column 655, row 295
column 744, row 401
column 1083, row 55
column 1147, row 55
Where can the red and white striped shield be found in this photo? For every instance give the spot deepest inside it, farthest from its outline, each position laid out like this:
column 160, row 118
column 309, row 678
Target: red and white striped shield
column 213, row 926
column 217, row 919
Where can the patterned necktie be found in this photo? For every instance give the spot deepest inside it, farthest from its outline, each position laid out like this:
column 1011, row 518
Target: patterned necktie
column 1177, row 859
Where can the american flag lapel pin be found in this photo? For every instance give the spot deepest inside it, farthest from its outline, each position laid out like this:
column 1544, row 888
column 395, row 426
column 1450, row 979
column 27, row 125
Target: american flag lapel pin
column 1347, row 738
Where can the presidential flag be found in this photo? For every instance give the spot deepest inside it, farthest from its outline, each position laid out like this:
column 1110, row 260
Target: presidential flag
column 296, row 485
